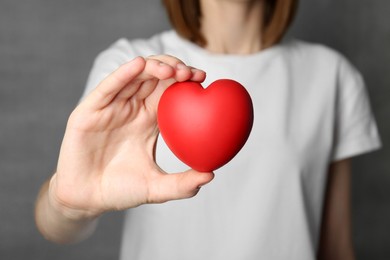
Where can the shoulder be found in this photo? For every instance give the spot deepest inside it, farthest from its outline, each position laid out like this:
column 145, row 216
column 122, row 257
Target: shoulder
column 313, row 51
column 315, row 56
column 124, row 49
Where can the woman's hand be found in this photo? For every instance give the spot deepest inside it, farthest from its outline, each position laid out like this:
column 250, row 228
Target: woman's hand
column 107, row 159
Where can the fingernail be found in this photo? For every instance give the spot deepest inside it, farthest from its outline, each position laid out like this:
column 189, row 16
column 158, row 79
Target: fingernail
column 193, row 70
column 181, row 66
column 138, row 57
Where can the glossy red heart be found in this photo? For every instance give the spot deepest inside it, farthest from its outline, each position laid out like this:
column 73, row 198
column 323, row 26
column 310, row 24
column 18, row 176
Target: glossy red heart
column 205, row 127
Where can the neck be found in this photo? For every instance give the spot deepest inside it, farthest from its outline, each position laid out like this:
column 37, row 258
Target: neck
column 232, row 26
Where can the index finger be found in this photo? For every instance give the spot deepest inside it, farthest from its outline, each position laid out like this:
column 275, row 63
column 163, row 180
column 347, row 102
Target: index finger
column 107, row 90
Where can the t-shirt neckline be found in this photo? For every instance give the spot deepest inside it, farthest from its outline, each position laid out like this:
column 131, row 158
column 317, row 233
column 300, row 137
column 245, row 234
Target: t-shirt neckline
column 270, row 51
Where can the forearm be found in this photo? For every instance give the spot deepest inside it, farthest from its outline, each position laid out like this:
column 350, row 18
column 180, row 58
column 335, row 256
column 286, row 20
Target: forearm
column 336, row 234
column 57, row 226
column 336, row 251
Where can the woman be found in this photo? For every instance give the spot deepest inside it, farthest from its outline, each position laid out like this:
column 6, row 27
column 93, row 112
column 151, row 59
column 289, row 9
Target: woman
column 284, row 196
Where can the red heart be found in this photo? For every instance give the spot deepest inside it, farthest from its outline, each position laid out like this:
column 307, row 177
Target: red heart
column 205, row 128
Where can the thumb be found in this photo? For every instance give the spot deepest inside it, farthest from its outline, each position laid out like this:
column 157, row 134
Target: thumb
column 180, row 185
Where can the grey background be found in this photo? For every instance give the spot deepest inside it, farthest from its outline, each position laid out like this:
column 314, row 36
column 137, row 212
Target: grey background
column 46, row 51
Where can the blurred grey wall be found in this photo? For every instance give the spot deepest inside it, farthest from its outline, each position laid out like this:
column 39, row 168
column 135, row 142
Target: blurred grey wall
column 46, row 51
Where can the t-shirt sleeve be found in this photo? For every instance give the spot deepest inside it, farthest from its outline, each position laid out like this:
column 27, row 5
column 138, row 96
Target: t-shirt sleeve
column 106, row 62
column 355, row 130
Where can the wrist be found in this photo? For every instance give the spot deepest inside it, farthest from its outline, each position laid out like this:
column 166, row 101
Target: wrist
column 58, row 227
column 64, row 209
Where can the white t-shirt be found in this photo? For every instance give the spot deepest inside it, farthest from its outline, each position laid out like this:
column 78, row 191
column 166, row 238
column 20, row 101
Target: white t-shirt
column 311, row 109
